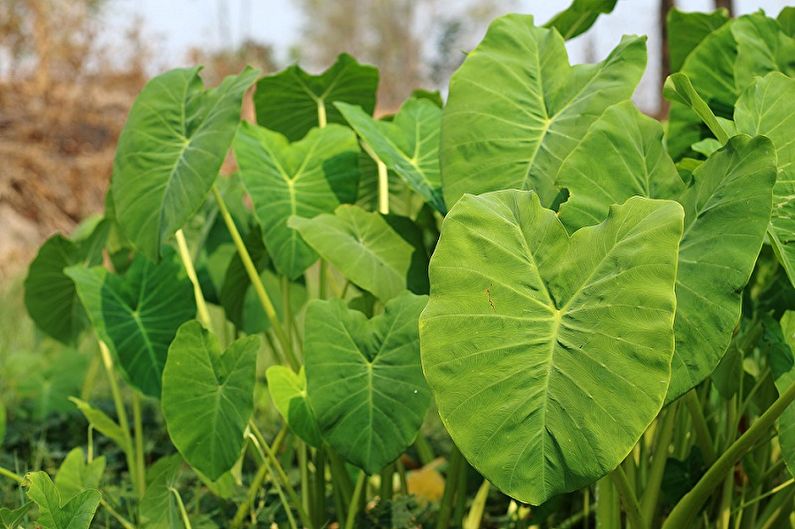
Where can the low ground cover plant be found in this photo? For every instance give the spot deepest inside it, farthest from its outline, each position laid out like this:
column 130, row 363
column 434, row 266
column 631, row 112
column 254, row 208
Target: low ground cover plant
column 598, row 306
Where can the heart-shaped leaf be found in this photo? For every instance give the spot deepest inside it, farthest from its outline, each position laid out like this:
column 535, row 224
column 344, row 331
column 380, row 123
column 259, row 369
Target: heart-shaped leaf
column 762, row 47
column 307, row 97
column 726, row 214
column 11, row 519
column 407, row 145
column 137, row 314
column 75, row 475
column 381, row 254
column 170, row 150
column 306, row 178
column 558, row 347
column 208, row 397
column 632, row 161
column 364, row 378
column 517, row 108
column 768, row 108
column 50, row 295
column 158, row 508
column 288, row 391
column 77, row 513
column 580, row 16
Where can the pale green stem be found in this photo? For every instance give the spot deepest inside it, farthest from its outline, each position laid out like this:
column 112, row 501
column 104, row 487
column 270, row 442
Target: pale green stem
column 187, row 262
column 254, row 277
column 256, row 483
column 139, row 440
column 475, row 515
column 651, row 493
column 321, row 113
column 269, row 470
column 628, row 498
column 383, row 180
column 115, row 514
column 353, row 508
column 107, row 362
column 282, row 475
column 688, row 507
column 11, row 475
column 182, row 511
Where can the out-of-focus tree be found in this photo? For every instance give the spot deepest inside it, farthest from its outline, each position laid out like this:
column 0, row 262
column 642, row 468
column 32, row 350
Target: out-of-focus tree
column 220, row 63
column 413, row 42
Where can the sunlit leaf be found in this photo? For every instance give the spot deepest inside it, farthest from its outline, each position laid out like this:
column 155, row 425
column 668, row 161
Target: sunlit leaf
column 288, row 391
column 54, row 513
column 170, row 150
column 517, row 108
column 538, row 392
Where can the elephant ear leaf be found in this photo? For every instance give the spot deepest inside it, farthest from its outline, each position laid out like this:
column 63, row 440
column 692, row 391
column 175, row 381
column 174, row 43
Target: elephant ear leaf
column 77, row 513
column 305, row 178
column 768, row 108
column 158, row 508
column 310, row 98
column 580, row 16
column 208, row 397
column 559, row 347
column 407, row 145
column 137, row 314
column 11, row 519
column 517, row 108
column 364, row 378
column 50, row 295
column 75, row 475
column 288, row 391
column 632, row 162
column 727, row 210
column 170, row 151
column 382, row 254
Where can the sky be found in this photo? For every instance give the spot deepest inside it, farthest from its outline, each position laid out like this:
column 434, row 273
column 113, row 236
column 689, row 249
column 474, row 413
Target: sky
column 178, row 25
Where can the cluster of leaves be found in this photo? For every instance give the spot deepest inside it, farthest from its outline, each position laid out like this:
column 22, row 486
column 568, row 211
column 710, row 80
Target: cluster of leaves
column 591, row 267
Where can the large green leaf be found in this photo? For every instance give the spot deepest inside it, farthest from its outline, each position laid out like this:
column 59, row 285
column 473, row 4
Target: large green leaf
column 158, row 508
column 54, row 513
column 407, row 145
column 170, row 151
column 686, row 30
column 768, row 108
column 137, row 314
column 208, row 397
column 516, row 108
column 292, row 101
column 580, row 16
column 306, row 178
column 288, row 391
column 50, row 295
column 632, row 161
column 364, row 378
column 76, row 475
column 727, row 210
column 550, row 355
column 381, row 254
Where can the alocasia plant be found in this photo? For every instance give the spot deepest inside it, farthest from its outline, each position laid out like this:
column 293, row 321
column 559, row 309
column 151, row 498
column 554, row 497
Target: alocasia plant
column 604, row 313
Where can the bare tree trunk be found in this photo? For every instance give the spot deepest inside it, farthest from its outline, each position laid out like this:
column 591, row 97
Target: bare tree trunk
column 665, row 62
column 728, row 4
